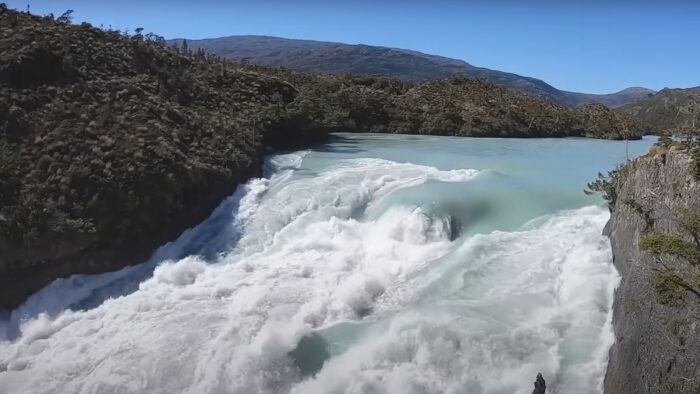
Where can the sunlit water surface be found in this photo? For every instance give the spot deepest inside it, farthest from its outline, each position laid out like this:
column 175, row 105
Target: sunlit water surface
column 369, row 264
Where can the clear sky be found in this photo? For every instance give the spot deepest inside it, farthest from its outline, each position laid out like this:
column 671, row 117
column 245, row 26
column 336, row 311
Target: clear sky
column 591, row 46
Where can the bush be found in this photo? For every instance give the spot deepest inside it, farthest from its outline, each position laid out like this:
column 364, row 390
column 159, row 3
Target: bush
column 695, row 154
column 690, row 222
column 668, row 287
column 659, row 244
column 66, row 17
column 676, row 324
column 666, row 141
column 606, row 185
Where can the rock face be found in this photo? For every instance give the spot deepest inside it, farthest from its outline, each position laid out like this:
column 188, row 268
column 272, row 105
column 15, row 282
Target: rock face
column 540, row 386
column 657, row 348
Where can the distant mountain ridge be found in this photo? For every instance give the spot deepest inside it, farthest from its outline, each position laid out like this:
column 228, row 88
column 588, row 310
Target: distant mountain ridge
column 338, row 58
column 669, row 110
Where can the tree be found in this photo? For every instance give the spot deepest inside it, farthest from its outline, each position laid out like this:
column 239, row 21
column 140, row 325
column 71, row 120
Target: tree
column 606, row 186
column 66, row 17
column 184, row 46
column 160, row 40
column 670, row 285
column 624, row 133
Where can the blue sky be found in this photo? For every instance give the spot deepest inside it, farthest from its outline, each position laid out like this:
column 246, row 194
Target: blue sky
column 592, row 46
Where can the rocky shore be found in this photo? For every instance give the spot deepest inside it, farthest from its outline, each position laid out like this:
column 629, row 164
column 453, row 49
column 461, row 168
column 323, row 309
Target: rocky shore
column 656, row 319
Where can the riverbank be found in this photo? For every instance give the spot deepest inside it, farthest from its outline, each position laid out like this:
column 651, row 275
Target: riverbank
column 399, row 263
column 656, row 321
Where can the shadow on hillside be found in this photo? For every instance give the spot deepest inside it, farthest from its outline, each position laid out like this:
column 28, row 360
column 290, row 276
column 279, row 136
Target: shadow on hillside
column 210, row 240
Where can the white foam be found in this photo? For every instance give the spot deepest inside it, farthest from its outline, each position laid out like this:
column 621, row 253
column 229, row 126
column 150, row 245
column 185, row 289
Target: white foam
column 180, row 273
column 293, row 255
column 304, row 262
column 504, row 307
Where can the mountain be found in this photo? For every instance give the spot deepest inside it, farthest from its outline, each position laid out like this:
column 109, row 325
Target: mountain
column 337, row 58
column 669, row 110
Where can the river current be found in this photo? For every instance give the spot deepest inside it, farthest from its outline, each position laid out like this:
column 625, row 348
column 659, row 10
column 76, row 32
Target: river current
column 367, row 264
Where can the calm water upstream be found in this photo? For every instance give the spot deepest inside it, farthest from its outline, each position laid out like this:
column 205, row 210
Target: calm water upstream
column 369, row 264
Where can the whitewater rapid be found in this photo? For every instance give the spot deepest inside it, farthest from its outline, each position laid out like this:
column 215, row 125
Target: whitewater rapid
column 332, row 279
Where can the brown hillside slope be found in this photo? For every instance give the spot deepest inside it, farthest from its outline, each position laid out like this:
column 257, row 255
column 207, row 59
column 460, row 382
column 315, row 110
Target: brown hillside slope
column 112, row 146
column 452, row 106
column 668, row 111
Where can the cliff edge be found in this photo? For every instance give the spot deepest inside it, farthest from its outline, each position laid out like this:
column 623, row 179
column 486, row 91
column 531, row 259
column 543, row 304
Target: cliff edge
column 656, row 318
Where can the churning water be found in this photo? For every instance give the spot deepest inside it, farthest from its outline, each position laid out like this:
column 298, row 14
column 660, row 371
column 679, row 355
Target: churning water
column 370, row 264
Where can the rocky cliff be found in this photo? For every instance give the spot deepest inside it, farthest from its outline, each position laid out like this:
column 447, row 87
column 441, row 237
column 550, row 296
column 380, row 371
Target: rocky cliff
column 656, row 311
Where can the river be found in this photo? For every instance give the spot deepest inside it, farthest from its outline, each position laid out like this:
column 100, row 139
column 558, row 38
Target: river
column 367, row 264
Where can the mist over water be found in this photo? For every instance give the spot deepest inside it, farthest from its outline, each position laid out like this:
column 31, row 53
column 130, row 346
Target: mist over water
column 369, row 264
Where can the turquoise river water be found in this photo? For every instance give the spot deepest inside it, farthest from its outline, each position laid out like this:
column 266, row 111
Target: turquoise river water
column 368, row 264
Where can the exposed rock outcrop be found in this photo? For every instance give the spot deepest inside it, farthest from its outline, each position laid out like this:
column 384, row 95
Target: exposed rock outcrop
column 540, row 386
column 657, row 344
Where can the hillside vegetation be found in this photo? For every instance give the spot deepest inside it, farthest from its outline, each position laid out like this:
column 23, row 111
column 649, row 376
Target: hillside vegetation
column 107, row 140
column 675, row 111
column 111, row 145
column 339, row 59
column 452, row 106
